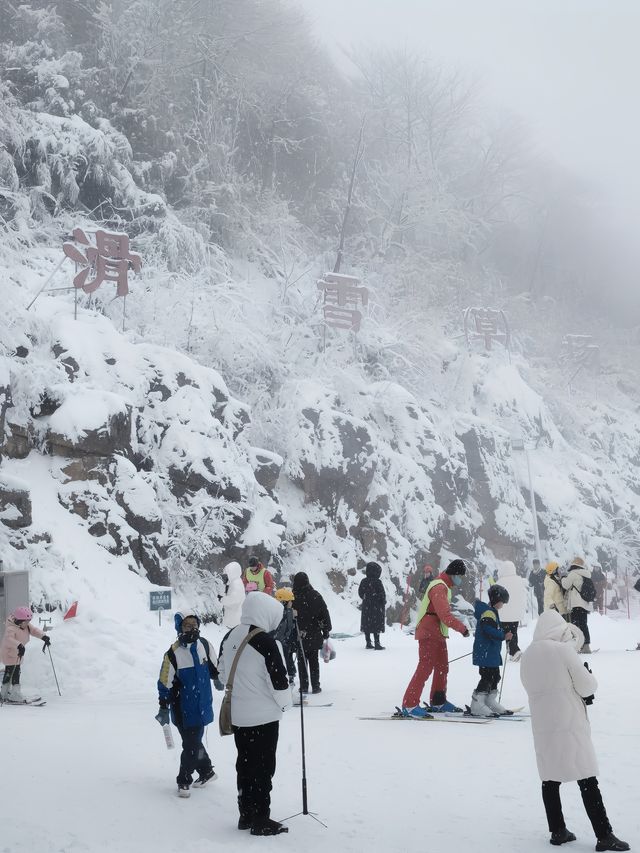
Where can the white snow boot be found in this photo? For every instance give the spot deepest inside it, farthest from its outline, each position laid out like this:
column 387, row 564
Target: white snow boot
column 494, row 705
column 4, row 692
column 479, row 707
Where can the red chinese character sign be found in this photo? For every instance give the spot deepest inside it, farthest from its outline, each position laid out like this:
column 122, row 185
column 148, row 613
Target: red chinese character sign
column 342, row 296
column 108, row 260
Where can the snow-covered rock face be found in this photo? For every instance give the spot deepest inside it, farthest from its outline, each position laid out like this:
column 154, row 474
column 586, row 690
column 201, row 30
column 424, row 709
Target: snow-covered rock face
column 147, row 448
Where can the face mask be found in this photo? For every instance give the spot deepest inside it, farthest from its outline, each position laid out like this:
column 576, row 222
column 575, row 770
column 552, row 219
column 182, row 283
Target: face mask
column 457, row 580
column 190, row 636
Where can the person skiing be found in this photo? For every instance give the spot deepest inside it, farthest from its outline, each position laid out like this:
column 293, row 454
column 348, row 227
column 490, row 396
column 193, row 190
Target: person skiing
column 554, row 598
column 599, row 581
column 260, row 695
column 234, row 595
column 17, row 633
column 314, row 626
column 258, row 574
column 577, row 606
column 432, row 629
column 515, row 605
column 536, row 582
column 184, row 696
column 559, row 688
column 487, row 645
column 373, row 613
column 286, row 632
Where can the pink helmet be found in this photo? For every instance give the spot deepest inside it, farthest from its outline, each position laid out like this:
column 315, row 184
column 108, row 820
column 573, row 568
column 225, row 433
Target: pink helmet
column 22, row 614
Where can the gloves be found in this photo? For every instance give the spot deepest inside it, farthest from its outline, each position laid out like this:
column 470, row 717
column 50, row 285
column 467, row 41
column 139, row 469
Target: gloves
column 163, row 716
column 218, row 684
column 21, row 650
column 46, row 642
column 588, row 700
column 465, row 633
column 588, row 668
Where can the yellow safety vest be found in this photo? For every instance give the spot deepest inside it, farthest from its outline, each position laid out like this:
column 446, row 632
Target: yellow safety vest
column 426, row 601
column 257, row 579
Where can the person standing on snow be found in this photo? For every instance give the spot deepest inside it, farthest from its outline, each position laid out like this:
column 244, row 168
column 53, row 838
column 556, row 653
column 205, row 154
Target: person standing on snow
column 256, row 573
column 554, row 598
column 374, row 599
column 559, row 689
column 536, row 582
column 234, row 595
column 259, row 697
column 515, row 605
column 314, row 625
column 184, row 696
column 432, row 629
column 17, row 633
column 286, row 633
column 487, row 645
column 578, row 607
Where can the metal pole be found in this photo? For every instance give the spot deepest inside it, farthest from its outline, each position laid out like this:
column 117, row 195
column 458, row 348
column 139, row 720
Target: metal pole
column 626, row 577
column 64, row 258
column 54, row 671
column 534, row 511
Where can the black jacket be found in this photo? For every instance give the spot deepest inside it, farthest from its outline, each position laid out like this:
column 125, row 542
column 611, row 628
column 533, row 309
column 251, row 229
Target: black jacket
column 371, row 591
column 314, row 622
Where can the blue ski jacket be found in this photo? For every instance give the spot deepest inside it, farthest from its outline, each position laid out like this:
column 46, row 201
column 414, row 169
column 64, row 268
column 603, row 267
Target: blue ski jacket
column 488, row 637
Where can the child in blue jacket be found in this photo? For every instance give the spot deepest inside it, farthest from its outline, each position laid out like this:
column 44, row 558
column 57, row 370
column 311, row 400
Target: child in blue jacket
column 487, row 647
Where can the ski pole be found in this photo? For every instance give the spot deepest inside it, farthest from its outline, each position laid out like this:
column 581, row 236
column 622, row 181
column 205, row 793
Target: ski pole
column 54, row 671
column 453, row 660
column 504, row 669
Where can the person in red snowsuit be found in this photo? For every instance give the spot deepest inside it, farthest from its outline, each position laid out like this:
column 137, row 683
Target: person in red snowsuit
column 434, row 620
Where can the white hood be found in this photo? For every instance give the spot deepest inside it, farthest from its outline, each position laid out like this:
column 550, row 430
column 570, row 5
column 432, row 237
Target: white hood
column 551, row 626
column 261, row 610
column 233, row 571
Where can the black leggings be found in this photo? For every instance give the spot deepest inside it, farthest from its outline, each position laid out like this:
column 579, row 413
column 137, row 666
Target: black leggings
column 579, row 618
column 311, row 657
column 592, row 799
column 11, row 674
column 255, row 768
column 489, row 679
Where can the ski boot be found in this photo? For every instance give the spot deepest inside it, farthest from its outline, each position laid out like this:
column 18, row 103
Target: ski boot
column 445, row 707
column 418, row 711
column 479, row 706
column 203, row 778
column 494, row 706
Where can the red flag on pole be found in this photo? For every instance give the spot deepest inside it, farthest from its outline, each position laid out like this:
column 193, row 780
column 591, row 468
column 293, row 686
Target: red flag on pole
column 71, row 612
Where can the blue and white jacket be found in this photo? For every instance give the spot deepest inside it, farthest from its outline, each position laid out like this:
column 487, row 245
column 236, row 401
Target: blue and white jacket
column 184, row 684
column 489, row 636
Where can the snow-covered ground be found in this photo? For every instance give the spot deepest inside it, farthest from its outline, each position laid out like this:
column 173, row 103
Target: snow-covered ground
column 90, row 772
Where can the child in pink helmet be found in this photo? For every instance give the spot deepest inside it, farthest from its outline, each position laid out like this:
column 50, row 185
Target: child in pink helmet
column 18, row 631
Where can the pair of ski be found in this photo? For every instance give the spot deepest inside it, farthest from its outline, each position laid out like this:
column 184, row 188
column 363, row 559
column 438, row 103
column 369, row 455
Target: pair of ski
column 35, row 702
column 449, row 717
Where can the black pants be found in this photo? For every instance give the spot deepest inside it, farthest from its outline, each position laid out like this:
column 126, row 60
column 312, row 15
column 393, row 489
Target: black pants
column 489, row 679
column 313, row 663
column 512, row 644
column 11, row 674
column 540, row 600
column 194, row 755
column 592, row 799
column 289, row 659
column 579, row 619
column 255, row 768
column 376, row 639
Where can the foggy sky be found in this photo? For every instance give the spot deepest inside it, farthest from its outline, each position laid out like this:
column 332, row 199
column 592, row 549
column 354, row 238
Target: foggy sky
column 570, row 68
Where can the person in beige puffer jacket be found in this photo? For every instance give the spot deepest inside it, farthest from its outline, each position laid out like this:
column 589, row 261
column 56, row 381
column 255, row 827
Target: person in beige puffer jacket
column 553, row 592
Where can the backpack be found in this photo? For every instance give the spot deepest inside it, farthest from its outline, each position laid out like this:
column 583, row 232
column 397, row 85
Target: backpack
column 587, row 590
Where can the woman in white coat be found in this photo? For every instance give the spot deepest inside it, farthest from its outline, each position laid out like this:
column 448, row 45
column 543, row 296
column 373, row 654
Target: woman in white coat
column 513, row 611
column 234, row 595
column 559, row 689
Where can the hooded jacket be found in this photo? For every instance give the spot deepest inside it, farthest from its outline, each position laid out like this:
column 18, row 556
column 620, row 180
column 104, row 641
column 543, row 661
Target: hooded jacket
column 554, row 597
column 371, row 591
column 184, row 684
column 234, row 596
column 314, row 622
column 557, row 683
column 13, row 636
column 572, row 583
column 489, row 635
column 517, row 587
column 260, row 690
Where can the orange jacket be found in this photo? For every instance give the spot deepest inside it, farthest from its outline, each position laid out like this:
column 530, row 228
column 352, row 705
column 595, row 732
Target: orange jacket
column 439, row 611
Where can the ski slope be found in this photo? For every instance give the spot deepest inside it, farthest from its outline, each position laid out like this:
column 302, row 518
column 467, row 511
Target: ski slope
column 90, row 771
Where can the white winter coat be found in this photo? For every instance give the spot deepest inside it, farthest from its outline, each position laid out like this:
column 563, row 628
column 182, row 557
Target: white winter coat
column 517, row 587
column 254, row 698
column 234, row 597
column 572, row 582
column 556, row 682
